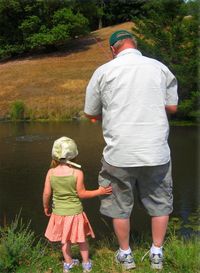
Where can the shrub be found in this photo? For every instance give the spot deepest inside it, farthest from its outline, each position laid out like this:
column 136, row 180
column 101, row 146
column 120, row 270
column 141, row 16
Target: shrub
column 18, row 247
column 17, row 110
column 189, row 108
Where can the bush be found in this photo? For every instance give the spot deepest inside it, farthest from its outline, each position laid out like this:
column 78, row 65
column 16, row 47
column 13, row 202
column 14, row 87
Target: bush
column 189, row 108
column 17, row 110
column 8, row 51
column 18, row 247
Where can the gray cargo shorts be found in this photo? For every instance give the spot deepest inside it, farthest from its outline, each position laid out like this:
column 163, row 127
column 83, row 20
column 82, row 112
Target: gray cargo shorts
column 152, row 183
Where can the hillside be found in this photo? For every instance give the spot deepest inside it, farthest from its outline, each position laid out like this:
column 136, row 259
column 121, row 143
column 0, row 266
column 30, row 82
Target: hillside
column 52, row 86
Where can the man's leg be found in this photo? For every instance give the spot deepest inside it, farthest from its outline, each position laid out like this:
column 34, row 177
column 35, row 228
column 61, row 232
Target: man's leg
column 155, row 188
column 159, row 227
column 122, row 230
column 118, row 204
column 124, row 254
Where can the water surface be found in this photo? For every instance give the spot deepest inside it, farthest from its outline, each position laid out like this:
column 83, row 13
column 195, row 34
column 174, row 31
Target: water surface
column 26, row 154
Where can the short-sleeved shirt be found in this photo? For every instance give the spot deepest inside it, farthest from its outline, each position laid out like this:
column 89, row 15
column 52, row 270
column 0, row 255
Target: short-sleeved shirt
column 131, row 93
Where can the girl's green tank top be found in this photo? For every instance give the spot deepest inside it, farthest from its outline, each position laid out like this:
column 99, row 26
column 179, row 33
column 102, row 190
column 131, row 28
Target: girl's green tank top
column 65, row 198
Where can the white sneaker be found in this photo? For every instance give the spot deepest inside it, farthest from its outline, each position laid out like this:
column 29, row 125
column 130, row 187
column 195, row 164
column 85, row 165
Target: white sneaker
column 87, row 267
column 126, row 260
column 67, row 267
column 156, row 261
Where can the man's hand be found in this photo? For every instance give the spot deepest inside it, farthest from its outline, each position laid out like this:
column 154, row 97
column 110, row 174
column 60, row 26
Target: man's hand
column 171, row 109
column 94, row 118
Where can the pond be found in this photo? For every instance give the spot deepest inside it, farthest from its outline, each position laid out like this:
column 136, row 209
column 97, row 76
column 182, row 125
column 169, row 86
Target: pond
column 26, row 155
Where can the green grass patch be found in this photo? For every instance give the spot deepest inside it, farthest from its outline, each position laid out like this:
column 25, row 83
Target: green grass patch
column 22, row 252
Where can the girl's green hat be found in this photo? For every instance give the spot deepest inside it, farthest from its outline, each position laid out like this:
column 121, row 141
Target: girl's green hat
column 65, row 149
column 119, row 35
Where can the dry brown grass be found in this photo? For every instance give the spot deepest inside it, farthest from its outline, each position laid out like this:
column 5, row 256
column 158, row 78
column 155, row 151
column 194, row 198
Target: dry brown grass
column 53, row 85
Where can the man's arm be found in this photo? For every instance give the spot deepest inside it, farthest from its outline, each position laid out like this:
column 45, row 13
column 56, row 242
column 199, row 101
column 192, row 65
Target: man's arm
column 171, row 94
column 171, row 109
column 93, row 106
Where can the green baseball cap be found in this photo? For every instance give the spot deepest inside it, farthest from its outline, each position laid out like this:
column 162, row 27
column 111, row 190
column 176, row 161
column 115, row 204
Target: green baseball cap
column 119, row 35
column 65, row 148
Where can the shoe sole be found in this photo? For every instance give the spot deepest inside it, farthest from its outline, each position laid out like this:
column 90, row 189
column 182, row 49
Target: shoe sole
column 126, row 266
column 157, row 266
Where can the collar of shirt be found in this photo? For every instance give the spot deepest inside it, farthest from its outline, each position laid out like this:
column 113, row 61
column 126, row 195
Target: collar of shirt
column 128, row 51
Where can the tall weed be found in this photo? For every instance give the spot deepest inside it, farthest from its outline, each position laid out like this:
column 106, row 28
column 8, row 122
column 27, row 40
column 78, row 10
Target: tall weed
column 17, row 110
column 18, row 246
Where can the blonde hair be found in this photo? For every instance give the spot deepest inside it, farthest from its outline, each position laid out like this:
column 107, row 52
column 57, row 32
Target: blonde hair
column 54, row 163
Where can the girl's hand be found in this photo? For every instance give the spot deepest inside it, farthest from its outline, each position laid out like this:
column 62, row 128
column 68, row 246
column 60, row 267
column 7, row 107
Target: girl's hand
column 46, row 212
column 106, row 190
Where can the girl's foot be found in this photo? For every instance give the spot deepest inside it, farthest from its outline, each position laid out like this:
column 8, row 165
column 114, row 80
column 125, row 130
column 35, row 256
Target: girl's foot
column 87, row 267
column 67, row 267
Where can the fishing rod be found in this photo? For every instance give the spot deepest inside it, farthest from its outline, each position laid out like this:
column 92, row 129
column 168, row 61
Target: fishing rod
column 99, row 43
column 109, row 57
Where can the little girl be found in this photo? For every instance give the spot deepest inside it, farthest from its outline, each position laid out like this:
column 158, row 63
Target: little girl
column 68, row 223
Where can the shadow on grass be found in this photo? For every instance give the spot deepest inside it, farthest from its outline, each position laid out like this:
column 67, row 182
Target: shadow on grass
column 70, row 47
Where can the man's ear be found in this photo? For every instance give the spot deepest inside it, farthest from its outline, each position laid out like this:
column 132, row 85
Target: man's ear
column 114, row 51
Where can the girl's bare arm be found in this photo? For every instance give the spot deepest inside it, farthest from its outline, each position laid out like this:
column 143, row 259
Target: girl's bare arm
column 83, row 193
column 47, row 194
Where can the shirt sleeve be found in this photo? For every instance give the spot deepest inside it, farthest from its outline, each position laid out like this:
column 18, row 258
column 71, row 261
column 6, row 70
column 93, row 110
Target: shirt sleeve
column 171, row 90
column 93, row 103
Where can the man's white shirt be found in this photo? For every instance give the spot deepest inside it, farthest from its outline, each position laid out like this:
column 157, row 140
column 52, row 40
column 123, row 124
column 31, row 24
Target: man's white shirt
column 131, row 93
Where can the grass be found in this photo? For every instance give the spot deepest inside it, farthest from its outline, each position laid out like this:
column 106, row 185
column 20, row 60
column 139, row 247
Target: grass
column 180, row 256
column 20, row 252
column 52, row 86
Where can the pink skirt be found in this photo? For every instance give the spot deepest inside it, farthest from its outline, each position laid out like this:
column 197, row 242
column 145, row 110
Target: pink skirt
column 74, row 228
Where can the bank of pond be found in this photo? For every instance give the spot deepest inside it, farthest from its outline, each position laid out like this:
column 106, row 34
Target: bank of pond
column 21, row 251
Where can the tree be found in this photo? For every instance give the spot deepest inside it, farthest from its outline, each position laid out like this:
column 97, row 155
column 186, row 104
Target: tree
column 116, row 12
column 26, row 24
column 101, row 13
column 169, row 33
column 66, row 25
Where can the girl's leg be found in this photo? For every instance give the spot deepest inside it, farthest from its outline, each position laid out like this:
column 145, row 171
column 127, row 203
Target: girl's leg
column 66, row 250
column 84, row 250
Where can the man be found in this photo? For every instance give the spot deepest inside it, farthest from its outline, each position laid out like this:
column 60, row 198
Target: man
column 133, row 94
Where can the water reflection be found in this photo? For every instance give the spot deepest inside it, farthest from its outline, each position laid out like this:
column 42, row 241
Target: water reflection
column 26, row 154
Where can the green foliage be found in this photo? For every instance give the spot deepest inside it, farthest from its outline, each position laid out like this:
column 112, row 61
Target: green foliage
column 116, row 12
column 30, row 26
column 65, row 24
column 182, row 248
column 11, row 50
column 17, row 110
column 76, row 23
column 182, row 255
column 10, row 18
column 189, row 108
column 20, row 252
column 18, row 246
column 27, row 25
column 193, row 222
column 43, row 38
column 168, row 33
